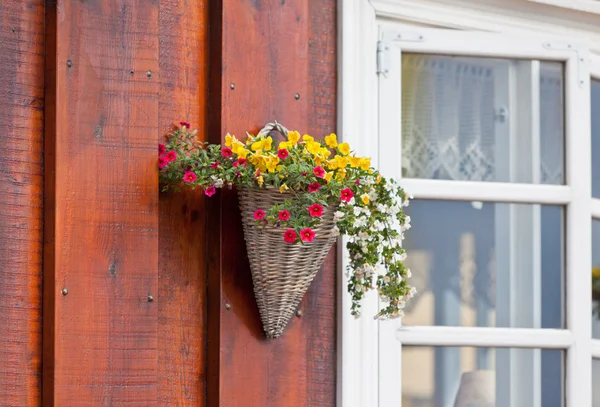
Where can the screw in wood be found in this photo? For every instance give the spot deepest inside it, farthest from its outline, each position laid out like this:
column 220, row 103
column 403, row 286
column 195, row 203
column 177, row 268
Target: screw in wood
column 150, row 298
column 149, row 74
column 232, row 86
column 65, row 291
column 299, row 313
column 227, row 306
column 69, row 63
column 131, row 72
column 297, row 96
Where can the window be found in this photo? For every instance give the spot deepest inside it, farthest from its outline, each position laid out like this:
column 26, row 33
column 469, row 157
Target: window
column 491, row 134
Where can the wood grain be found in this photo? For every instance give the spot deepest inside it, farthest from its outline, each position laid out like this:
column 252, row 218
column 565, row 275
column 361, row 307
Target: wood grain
column 21, row 199
column 270, row 51
column 105, row 223
column 183, row 63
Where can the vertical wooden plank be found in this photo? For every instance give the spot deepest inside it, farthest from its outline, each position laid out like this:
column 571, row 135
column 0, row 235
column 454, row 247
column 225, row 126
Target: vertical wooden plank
column 105, row 230
column 21, row 189
column 183, row 63
column 270, row 51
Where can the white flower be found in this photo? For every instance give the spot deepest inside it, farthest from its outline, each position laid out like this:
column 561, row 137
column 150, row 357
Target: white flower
column 386, row 279
column 381, row 208
column 373, row 195
column 217, row 182
column 338, row 215
column 357, row 210
column 403, row 257
column 365, row 249
column 336, row 230
column 408, row 273
column 359, row 275
column 363, row 235
column 352, row 201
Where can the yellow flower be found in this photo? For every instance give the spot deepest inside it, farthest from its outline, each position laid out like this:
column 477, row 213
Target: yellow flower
column 596, row 272
column 260, row 181
column 340, row 175
column 249, row 139
column 379, row 180
column 354, row 161
column 242, row 153
column 365, row 163
column 333, row 163
column 307, row 138
column 229, row 139
column 313, row 147
column 293, row 137
column 267, row 143
column 331, row 140
column 258, row 145
column 365, row 199
column 318, row 160
column 283, row 188
column 324, row 152
column 343, row 162
column 285, row 145
column 328, row 176
column 344, row 148
column 271, row 163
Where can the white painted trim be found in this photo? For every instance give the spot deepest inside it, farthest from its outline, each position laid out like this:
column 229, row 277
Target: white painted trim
column 358, row 359
column 485, row 337
column 586, row 6
column 596, row 348
column 596, row 208
column 487, row 191
column 595, row 66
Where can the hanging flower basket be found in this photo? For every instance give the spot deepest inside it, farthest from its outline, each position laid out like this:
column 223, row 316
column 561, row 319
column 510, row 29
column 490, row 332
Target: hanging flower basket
column 295, row 200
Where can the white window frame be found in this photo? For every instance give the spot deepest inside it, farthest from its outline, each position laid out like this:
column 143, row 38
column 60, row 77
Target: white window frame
column 364, row 378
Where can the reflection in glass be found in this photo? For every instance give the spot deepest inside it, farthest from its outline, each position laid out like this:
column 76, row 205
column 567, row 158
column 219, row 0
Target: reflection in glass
column 472, row 119
column 596, row 265
column 595, row 383
column 482, row 377
column 595, row 95
column 486, row 265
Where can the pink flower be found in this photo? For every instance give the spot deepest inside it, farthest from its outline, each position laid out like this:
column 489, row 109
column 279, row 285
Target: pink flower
column 283, row 154
column 315, row 210
column 189, row 177
column 304, row 174
column 238, row 174
column 357, row 182
column 214, row 165
column 226, row 151
column 346, row 195
column 314, row 187
column 210, row 191
column 171, row 156
column 242, row 161
column 284, row 215
column 259, row 214
column 307, row 235
column 319, row 172
column 162, row 162
column 290, row 236
column 185, row 124
column 235, row 164
column 161, row 149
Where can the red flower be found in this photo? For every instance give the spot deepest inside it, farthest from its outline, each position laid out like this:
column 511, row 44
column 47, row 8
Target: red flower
column 307, row 235
column 290, row 236
column 210, row 191
column 319, row 172
column 238, row 174
column 259, row 214
column 226, row 151
column 346, row 195
column 315, row 210
column 162, row 162
column 284, row 215
column 214, row 165
column 283, row 154
column 314, row 187
column 235, row 164
column 304, row 174
column 185, row 124
column 242, row 161
column 357, row 182
column 189, row 177
column 170, row 156
column 161, row 149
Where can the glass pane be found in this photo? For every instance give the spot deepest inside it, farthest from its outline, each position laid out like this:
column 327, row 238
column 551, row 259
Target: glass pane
column 473, row 119
column 595, row 383
column 481, row 377
column 596, row 279
column 595, row 138
column 485, row 264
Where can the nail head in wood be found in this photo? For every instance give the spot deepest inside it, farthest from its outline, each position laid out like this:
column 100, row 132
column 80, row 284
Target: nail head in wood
column 297, row 96
column 69, row 63
column 65, row 291
column 232, row 86
column 299, row 313
column 149, row 74
column 227, row 306
column 150, row 298
column 131, row 72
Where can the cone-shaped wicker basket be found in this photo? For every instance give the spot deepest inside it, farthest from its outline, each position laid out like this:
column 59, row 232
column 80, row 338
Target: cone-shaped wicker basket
column 281, row 272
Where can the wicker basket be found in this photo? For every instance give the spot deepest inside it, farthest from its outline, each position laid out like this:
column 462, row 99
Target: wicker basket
column 281, row 271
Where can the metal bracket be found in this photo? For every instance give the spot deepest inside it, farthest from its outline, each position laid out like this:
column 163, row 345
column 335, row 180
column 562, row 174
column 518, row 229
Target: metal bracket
column 582, row 58
column 388, row 38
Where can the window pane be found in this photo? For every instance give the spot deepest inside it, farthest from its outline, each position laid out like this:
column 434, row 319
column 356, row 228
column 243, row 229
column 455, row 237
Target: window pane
column 482, row 119
column 482, row 377
column 596, row 279
column 485, row 264
column 595, row 138
column 596, row 383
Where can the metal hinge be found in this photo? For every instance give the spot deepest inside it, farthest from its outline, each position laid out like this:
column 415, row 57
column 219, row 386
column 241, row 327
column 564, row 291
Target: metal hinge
column 382, row 49
column 582, row 59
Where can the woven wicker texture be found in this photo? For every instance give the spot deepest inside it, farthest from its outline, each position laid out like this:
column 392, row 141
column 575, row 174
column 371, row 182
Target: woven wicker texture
column 281, row 271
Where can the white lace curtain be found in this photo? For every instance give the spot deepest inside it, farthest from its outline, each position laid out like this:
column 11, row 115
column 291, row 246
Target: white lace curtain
column 448, row 118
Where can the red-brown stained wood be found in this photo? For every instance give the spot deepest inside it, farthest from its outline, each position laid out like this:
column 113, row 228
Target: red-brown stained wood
column 105, row 224
column 182, row 243
column 21, row 198
column 271, row 50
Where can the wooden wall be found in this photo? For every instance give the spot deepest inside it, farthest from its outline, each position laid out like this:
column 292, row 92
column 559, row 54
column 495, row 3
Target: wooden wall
column 136, row 282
